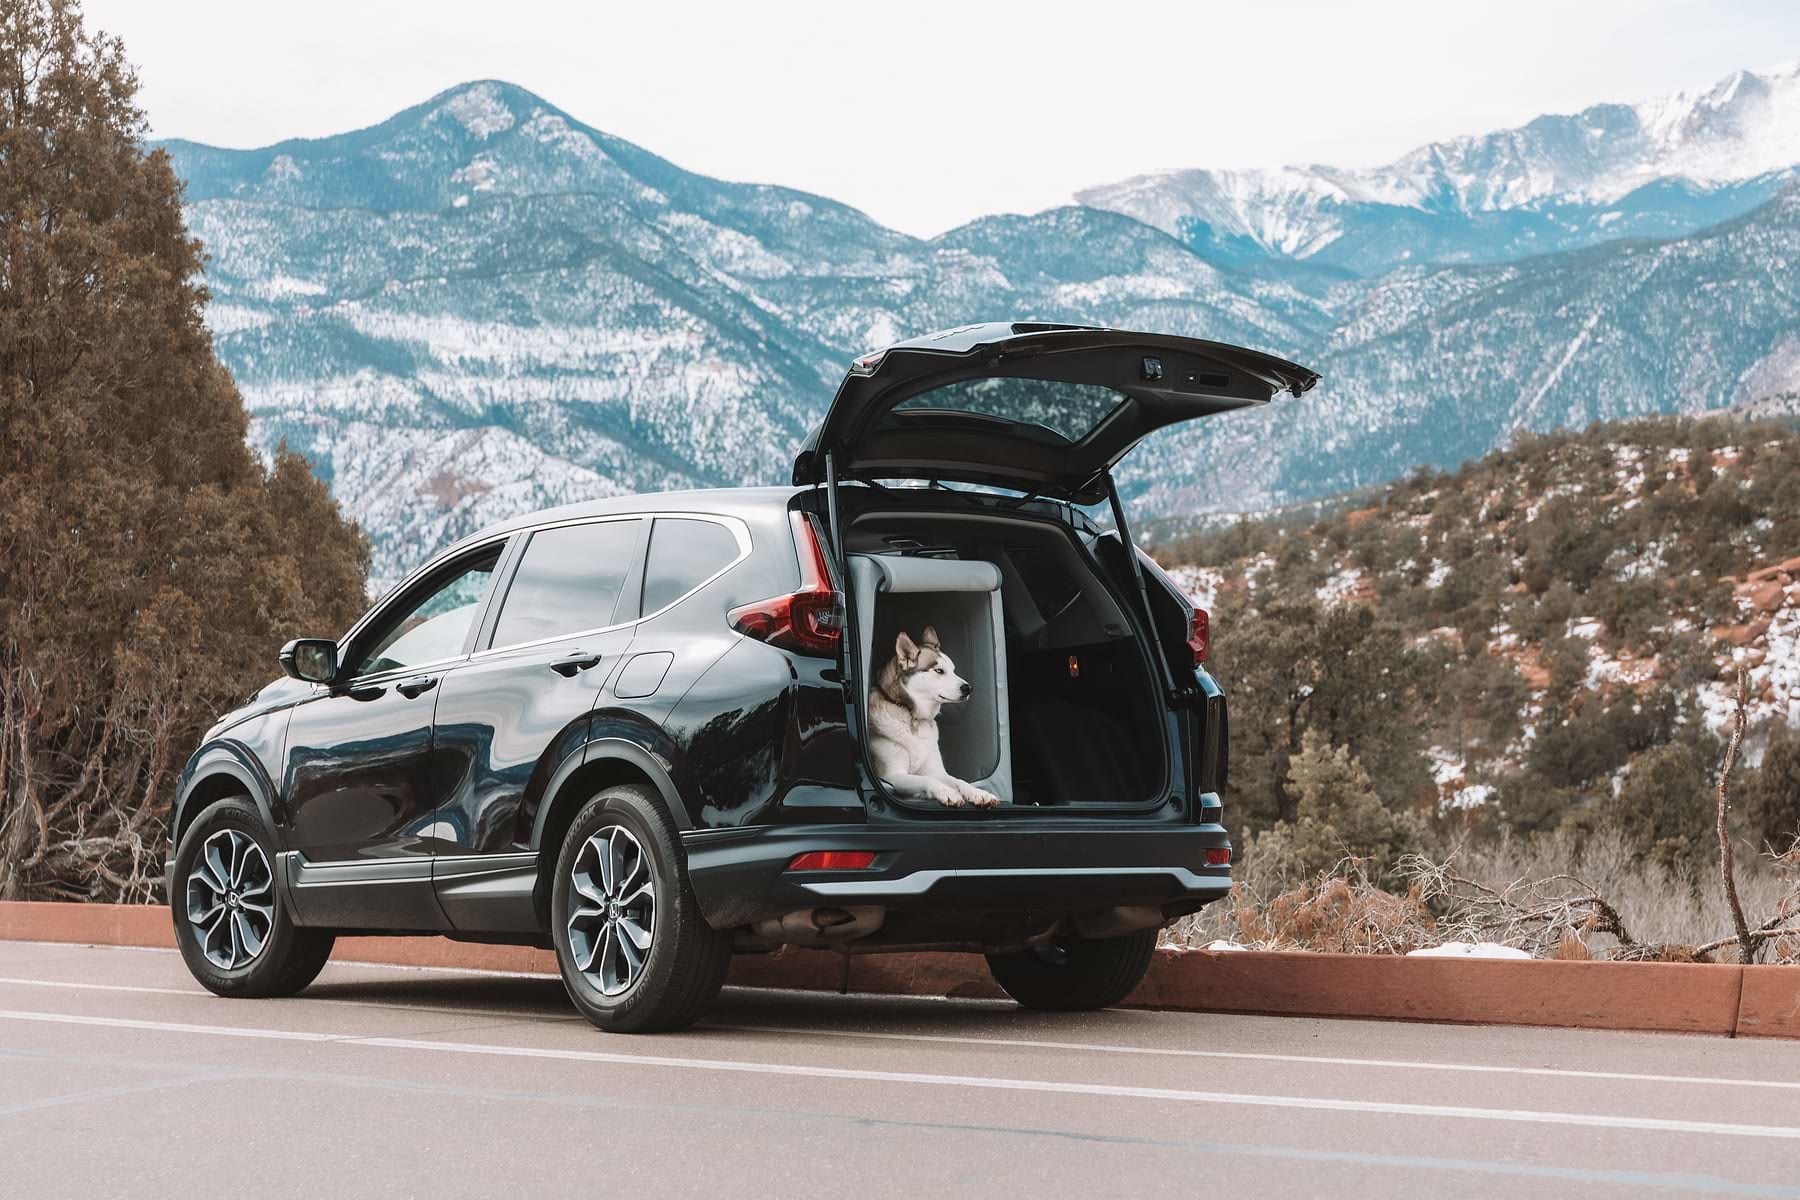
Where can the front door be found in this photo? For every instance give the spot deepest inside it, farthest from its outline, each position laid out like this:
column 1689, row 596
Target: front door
column 518, row 710
column 356, row 778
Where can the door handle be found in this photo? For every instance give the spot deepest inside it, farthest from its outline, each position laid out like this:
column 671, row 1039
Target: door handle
column 418, row 685
column 573, row 661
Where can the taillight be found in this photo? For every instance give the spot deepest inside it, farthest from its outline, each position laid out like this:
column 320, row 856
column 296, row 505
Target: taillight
column 833, row 860
column 1218, row 856
column 1199, row 636
column 810, row 620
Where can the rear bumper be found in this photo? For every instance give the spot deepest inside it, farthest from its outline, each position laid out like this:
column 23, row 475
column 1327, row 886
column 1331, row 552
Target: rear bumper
column 741, row 876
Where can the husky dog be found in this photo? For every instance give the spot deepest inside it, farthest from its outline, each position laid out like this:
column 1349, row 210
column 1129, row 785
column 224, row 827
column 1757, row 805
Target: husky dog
column 903, row 734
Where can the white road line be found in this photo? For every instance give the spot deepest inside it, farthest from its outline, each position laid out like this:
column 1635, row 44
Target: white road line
column 336, row 962
column 1182, row 1095
column 1397, row 1064
column 401, row 1006
column 1252, row 1056
column 80, row 985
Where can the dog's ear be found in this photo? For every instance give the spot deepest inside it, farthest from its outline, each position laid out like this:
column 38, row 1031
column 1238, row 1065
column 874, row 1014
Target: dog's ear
column 905, row 650
column 929, row 639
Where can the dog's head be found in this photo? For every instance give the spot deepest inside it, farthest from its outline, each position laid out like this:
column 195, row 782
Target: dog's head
column 923, row 675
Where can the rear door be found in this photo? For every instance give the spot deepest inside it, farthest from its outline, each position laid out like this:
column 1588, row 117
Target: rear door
column 1040, row 408
column 519, row 709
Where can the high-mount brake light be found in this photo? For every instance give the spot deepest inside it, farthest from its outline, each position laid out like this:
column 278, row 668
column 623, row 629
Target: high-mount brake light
column 833, row 860
column 1200, row 636
column 809, row 621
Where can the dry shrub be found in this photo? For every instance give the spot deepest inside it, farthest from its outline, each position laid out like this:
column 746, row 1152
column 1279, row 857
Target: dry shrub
column 1572, row 948
column 1335, row 914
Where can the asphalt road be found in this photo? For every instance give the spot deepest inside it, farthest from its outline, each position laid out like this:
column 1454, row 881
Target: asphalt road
column 120, row 1077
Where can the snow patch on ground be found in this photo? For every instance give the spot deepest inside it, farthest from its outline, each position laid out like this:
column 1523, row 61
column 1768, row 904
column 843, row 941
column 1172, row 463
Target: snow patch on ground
column 480, row 110
column 1200, row 583
column 1468, row 950
column 282, row 287
column 1340, row 587
column 1450, row 772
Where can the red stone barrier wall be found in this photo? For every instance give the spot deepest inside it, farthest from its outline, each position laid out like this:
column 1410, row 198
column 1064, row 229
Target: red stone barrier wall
column 1762, row 1001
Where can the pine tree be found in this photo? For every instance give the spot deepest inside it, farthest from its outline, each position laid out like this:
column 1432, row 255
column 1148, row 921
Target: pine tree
column 1772, row 793
column 150, row 563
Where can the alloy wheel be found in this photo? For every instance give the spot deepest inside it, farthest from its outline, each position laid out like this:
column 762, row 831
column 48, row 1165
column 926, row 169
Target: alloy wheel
column 231, row 899
column 612, row 916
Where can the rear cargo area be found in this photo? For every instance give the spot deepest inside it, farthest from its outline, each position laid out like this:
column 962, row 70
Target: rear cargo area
column 1066, row 710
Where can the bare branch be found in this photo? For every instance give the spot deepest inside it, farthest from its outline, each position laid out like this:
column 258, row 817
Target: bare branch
column 1746, row 945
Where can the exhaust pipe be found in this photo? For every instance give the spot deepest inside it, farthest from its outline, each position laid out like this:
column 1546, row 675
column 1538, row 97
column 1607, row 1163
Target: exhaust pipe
column 820, row 926
column 1120, row 919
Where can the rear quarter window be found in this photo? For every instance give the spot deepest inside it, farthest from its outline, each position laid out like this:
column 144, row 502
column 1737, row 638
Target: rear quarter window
column 684, row 553
column 568, row 581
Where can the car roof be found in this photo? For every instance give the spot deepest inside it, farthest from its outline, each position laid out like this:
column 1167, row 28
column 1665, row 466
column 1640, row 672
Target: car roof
column 736, row 501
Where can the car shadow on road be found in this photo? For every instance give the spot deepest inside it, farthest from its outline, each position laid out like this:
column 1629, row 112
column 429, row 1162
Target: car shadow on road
column 748, row 1011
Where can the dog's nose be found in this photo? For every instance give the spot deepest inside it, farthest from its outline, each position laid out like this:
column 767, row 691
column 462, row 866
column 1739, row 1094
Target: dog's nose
column 967, row 688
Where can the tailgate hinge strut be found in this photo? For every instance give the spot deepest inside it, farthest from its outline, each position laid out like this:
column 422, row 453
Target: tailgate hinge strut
column 1171, row 689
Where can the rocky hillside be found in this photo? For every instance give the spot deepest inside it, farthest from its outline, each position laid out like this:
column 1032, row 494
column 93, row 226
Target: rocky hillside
column 483, row 305
column 1558, row 611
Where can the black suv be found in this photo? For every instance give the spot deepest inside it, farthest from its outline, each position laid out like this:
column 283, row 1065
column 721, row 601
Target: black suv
column 633, row 729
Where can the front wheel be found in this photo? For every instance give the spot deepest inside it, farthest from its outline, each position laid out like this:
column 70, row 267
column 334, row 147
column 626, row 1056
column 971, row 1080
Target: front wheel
column 234, row 931
column 1077, row 974
column 635, row 954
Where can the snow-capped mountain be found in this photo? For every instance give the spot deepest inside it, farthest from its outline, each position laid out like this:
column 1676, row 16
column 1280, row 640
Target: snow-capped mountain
column 483, row 306
column 1659, row 168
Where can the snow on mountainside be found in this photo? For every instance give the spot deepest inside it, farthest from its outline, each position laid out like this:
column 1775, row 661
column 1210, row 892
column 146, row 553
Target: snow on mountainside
column 1658, row 168
column 482, row 306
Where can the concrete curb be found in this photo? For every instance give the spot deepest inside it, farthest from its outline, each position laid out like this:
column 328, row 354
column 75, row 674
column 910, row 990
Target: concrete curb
column 1720, row 998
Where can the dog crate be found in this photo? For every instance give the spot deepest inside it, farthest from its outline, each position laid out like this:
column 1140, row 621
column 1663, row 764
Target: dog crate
column 962, row 601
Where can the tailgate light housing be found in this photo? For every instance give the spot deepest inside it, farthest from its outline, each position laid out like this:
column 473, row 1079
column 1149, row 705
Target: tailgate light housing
column 808, row 621
column 1199, row 637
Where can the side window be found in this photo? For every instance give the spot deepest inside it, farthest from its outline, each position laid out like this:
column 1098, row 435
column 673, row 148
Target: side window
column 568, row 580
column 684, row 553
column 433, row 625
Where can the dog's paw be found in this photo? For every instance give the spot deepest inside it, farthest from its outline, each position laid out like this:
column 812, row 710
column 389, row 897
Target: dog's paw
column 978, row 798
column 946, row 795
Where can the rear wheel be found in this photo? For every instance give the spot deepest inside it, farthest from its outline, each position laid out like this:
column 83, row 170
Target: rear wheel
column 231, row 924
column 635, row 954
column 1076, row 974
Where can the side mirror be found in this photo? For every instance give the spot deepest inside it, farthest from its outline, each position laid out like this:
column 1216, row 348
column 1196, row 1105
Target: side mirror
column 313, row 659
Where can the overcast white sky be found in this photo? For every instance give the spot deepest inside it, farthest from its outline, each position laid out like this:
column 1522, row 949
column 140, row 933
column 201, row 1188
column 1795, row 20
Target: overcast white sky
column 928, row 114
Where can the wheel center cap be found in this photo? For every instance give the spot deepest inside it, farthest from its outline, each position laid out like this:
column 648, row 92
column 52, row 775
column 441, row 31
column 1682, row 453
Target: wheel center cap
column 232, row 899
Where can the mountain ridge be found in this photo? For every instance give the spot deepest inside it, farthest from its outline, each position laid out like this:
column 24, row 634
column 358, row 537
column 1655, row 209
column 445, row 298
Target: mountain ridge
column 1664, row 166
column 482, row 305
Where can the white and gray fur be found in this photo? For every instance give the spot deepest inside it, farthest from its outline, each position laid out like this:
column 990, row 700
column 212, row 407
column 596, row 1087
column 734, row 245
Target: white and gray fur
column 909, row 692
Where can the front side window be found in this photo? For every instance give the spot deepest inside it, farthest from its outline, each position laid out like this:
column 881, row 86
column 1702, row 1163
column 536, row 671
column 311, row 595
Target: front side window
column 434, row 625
column 684, row 553
column 568, row 581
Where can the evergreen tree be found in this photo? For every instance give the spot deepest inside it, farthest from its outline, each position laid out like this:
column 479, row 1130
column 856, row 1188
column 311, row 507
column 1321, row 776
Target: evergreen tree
column 1772, row 793
column 1338, row 816
column 151, row 563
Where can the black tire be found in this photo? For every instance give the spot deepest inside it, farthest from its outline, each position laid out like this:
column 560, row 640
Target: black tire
column 666, row 985
column 1075, row 975
column 287, row 958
